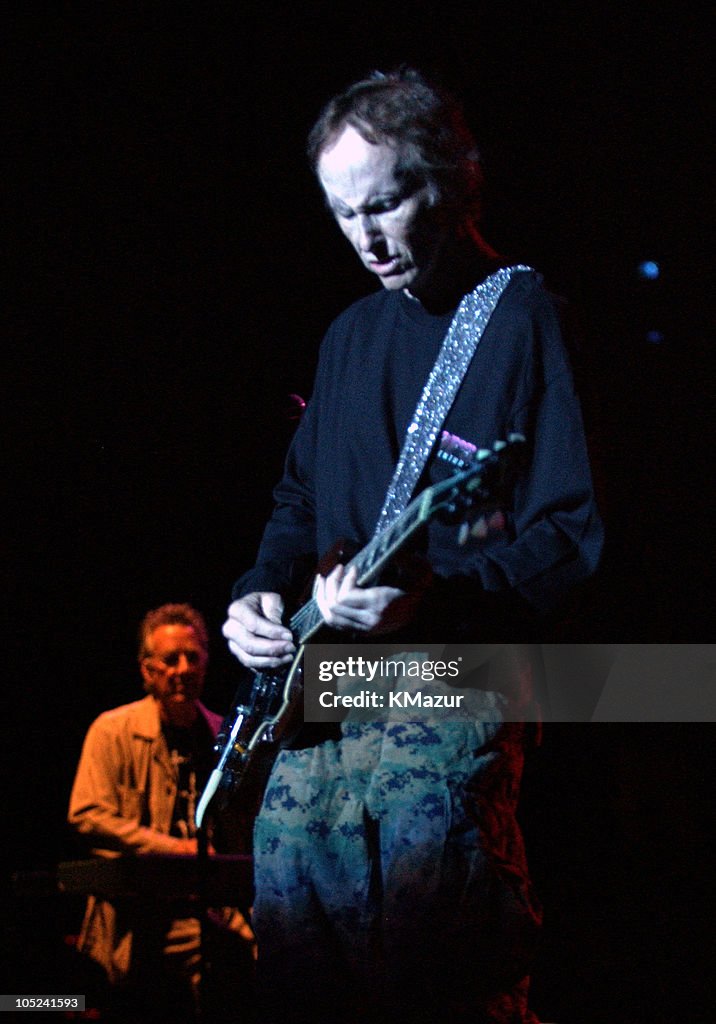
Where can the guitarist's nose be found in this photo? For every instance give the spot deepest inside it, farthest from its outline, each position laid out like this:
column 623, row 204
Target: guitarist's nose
column 182, row 667
column 367, row 232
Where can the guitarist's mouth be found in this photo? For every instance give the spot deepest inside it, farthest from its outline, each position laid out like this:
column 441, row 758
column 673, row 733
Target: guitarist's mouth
column 180, row 695
column 382, row 267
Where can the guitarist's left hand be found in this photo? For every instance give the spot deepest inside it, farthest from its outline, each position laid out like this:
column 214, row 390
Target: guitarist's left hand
column 344, row 605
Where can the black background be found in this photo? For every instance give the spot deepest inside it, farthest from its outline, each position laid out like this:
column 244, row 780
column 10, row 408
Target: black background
column 171, row 272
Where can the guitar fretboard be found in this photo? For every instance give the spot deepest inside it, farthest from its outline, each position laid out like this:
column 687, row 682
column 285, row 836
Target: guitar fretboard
column 368, row 562
column 371, row 559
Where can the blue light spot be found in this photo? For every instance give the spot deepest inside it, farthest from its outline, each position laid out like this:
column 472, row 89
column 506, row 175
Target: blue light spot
column 655, row 337
column 649, row 270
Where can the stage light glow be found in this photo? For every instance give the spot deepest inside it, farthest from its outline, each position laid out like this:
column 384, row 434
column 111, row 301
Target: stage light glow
column 649, row 270
column 655, row 337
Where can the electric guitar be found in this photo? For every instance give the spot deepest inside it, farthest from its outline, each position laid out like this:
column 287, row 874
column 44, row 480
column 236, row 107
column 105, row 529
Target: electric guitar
column 273, row 708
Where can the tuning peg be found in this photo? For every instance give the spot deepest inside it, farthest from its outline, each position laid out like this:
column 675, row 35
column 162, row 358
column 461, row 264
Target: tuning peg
column 515, row 438
column 493, row 524
column 481, row 528
column 482, row 453
column 499, row 445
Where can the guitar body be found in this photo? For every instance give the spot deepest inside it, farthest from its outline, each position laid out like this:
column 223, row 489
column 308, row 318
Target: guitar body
column 252, row 735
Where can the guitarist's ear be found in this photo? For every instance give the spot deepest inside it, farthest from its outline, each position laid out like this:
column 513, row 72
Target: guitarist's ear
column 147, row 676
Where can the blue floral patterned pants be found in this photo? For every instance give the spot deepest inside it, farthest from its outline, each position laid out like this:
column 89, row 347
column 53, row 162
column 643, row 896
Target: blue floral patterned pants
column 391, row 881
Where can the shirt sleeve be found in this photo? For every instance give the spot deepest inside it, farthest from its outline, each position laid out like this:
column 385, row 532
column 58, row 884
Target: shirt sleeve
column 104, row 806
column 288, row 550
column 554, row 535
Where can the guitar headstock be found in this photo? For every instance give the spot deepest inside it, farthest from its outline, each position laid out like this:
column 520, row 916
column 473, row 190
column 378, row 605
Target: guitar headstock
column 474, row 495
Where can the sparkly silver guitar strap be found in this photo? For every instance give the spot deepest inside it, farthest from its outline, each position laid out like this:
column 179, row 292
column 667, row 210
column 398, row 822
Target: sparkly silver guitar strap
column 446, row 376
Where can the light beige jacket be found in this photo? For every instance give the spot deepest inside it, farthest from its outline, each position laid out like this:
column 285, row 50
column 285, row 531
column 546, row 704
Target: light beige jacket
column 122, row 800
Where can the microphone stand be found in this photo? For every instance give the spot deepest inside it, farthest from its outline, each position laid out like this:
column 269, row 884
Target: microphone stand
column 205, row 965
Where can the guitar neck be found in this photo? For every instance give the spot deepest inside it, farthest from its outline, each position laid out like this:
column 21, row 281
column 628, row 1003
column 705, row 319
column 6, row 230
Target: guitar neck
column 368, row 563
column 483, row 482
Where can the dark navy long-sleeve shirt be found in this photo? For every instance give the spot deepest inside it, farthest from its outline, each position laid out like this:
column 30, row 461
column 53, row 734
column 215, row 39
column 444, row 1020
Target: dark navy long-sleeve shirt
column 373, row 365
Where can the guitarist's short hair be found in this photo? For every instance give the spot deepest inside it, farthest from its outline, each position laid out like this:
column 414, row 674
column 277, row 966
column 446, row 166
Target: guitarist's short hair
column 171, row 615
column 423, row 122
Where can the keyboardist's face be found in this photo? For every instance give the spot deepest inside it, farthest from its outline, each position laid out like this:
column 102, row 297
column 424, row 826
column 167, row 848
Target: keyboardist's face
column 174, row 672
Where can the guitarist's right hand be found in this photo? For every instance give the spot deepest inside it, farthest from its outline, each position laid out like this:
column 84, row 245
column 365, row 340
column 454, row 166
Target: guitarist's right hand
column 255, row 632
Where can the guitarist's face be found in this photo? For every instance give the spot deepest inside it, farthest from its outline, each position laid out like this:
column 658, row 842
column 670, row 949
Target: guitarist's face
column 396, row 230
column 174, row 672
